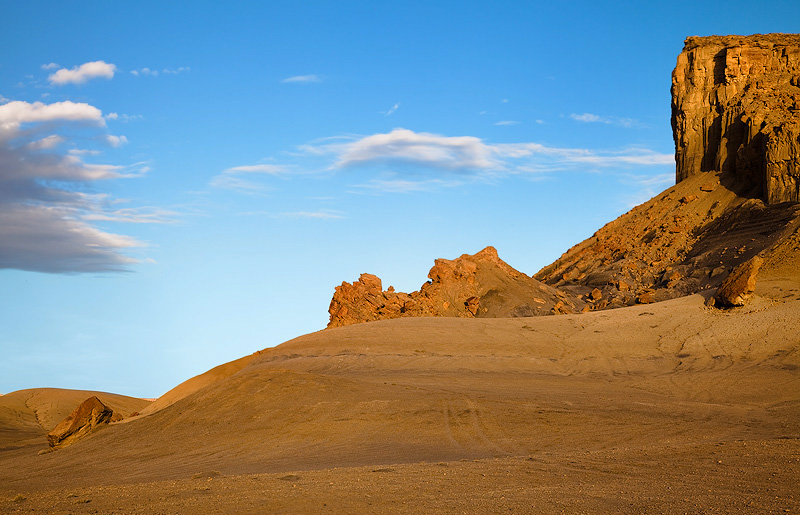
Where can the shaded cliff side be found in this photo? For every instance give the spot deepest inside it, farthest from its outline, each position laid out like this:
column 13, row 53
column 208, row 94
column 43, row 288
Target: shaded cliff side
column 736, row 109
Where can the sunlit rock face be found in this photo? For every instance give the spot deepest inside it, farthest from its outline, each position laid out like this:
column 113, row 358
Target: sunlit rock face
column 736, row 109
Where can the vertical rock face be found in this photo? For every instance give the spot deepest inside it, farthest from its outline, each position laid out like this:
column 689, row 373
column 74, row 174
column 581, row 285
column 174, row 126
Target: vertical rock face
column 736, row 109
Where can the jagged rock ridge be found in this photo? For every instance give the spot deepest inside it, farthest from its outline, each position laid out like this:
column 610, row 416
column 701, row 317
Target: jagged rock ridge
column 736, row 109
column 481, row 285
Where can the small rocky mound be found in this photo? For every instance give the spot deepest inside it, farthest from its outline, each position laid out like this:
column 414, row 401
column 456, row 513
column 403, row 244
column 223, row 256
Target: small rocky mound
column 91, row 414
column 480, row 285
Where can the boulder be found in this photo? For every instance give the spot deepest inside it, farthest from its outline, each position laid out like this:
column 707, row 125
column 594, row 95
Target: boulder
column 740, row 284
column 90, row 414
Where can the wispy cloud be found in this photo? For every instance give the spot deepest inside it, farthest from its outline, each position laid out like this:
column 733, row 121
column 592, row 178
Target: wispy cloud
column 82, row 73
column 472, row 156
column 609, row 120
column 391, row 110
column 507, row 122
column 145, row 72
column 138, row 215
column 45, row 216
column 422, row 148
column 303, row 79
column 404, row 186
column 313, row 215
column 176, row 71
column 234, row 178
column 123, row 117
column 50, row 66
column 153, row 72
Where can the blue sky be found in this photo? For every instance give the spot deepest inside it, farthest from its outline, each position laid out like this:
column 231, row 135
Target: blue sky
column 184, row 183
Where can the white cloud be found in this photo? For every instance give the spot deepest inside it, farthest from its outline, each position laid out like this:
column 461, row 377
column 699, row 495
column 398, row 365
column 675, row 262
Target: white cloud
column 507, row 122
column 45, row 218
column 472, row 156
column 303, row 79
column 49, row 66
column 116, row 141
column 45, row 143
column 111, row 116
column 82, row 73
column 18, row 112
column 3, row 99
column 422, row 148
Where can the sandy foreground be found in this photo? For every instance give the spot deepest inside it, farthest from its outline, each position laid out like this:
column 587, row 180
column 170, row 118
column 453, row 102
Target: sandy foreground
column 670, row 407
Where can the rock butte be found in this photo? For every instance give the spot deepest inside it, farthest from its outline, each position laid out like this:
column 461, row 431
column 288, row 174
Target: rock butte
column 736, row 126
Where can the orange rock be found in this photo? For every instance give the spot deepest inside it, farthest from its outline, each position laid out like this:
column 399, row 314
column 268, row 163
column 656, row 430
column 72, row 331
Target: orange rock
column 89, row 415
column 740, row 284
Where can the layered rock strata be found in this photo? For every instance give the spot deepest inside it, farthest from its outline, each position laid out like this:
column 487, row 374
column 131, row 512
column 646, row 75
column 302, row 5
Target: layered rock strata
column 736, row 109
column 480, row 285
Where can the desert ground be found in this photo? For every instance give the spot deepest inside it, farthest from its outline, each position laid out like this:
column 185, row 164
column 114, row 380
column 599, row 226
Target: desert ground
column 668, row 407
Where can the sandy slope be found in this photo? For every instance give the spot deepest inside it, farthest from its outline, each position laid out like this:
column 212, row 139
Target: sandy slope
column 31, row 414
column 616, row 401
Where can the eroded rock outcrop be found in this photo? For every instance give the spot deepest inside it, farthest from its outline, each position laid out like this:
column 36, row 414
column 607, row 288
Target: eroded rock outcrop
column 89, row 415
column 685, row 240
column 736, row 109
column 480, row 285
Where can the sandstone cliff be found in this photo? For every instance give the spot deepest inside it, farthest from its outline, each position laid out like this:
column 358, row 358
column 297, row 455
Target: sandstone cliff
column 481, row 285
column 736, row 109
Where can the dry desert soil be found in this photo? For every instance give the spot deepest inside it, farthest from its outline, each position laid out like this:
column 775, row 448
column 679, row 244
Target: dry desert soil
column 672, row 407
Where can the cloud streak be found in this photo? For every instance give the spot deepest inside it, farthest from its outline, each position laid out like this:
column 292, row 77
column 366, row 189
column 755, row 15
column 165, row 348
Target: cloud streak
column 608, row 120
column 234, row 178
column 302, row 79
column 82, row 73
column 468, row 155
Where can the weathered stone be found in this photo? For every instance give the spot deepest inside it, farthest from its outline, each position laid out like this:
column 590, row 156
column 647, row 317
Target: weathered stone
column 646, row 298
column 481, row 285
column 90, row 414
column 733, row 110
column 740, row 284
